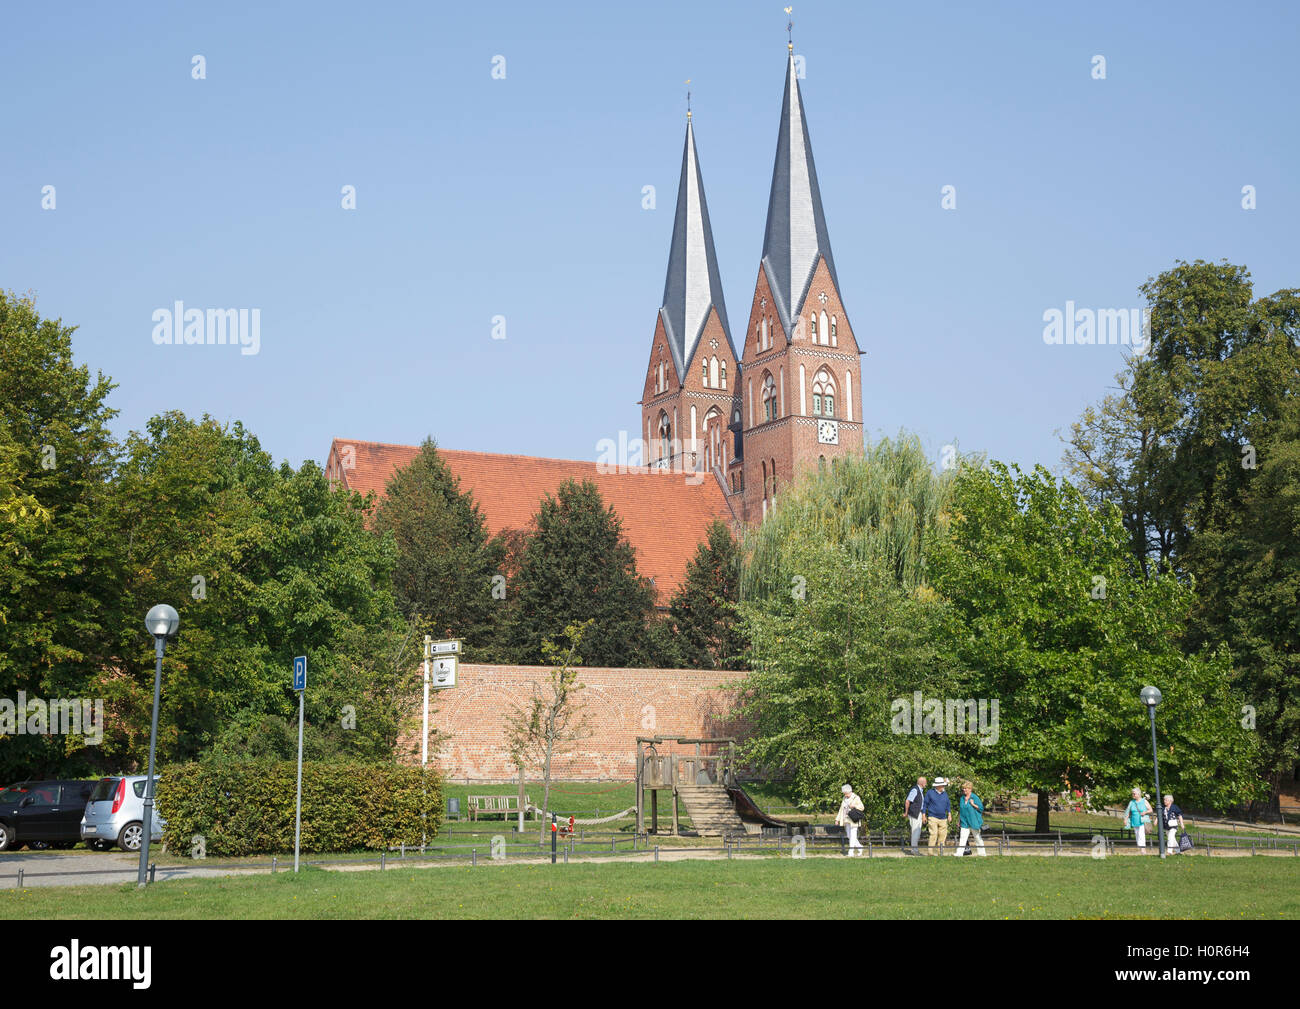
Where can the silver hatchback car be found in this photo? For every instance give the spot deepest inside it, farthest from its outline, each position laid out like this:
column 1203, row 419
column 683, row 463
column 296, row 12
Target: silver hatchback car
column 115, row 814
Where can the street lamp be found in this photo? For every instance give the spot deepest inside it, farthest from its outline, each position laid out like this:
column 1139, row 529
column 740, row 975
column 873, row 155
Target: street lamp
column 1151, row 696
column 161, row 621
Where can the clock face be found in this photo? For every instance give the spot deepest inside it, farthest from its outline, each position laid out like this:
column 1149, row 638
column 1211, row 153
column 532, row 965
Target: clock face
column 828, row 432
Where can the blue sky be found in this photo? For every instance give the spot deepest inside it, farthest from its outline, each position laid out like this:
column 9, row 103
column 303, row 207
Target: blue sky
column 522, row 197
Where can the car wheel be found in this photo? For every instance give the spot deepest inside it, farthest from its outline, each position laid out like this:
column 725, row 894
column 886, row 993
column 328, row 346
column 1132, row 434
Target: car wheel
column 7, row 838
column 131, row 837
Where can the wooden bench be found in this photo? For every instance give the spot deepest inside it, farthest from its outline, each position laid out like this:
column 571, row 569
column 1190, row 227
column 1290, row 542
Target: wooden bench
column 506, row 805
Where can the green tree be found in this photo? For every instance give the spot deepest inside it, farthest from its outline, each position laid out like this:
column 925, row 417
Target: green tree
column 58, row 565
column 1250, row 568
column 445, row 562
column 842, row 628
column 263, row 564
column 881, row 505
column 553, row 719
column 576, row 567
column 830, row 661
column 1059, row 624
column 702, row 613
column 1179, row 449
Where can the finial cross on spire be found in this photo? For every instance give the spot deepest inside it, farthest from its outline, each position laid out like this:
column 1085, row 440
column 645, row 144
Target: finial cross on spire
column 789, row 29
column 688, row 98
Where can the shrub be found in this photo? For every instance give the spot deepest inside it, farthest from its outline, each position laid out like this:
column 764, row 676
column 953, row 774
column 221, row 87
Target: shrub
column 248, row 808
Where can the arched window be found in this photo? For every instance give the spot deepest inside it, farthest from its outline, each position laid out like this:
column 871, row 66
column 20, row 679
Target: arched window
column 834, row 342
column 770, row 408
column 765, row 482
column 762, row 343
column 713, row 372
column 826, row 329
column 812, row 321
column 665, row 436
column 704, row 373
column 712, row 429
column 823, row 394
column 723, row 373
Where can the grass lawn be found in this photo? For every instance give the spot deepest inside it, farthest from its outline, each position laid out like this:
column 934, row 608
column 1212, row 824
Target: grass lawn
column 819, row 887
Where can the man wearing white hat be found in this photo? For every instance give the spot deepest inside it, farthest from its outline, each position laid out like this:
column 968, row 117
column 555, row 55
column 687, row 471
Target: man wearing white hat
column 938, row 809
column 850, row 817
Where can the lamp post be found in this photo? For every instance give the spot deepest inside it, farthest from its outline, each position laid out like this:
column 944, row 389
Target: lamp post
column 1151, row 697
column 161, row 621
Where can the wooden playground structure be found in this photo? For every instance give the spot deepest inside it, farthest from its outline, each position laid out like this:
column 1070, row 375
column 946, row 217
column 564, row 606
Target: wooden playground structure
column 702, row 782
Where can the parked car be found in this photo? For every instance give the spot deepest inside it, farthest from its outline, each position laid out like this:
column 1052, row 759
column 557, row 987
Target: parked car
column 42, row 814
column 115, row 814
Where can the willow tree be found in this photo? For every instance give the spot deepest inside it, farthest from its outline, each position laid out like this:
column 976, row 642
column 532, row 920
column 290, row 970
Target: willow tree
column 842, row 628
column 879, row 507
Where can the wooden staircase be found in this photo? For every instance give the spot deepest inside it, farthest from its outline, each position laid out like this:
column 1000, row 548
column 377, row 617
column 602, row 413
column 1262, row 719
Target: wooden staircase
column 711, row 810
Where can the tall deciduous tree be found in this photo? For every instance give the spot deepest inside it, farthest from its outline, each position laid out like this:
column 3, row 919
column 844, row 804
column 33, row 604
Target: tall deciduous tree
column 844, row 630
column 262, row 563
column 58, row 566
column 881, row 505
column 1179, row 449
column 1060, row 625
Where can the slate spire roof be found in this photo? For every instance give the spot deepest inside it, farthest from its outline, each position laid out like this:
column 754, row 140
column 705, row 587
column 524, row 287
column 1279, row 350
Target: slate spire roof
column 693, row 283
column 796, row 226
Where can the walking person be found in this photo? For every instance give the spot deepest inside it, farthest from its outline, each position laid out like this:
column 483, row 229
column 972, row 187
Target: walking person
column 914, row 810
column 971, row 818
column 1136, row 817
column 1171, row 819
column 850, row 817
column 938, row 808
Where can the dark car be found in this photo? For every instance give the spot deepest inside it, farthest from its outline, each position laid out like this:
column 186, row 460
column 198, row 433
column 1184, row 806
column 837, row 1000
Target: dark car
column 42, row 814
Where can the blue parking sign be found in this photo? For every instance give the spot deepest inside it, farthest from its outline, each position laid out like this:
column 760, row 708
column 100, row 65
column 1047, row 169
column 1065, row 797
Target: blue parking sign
column 300, row 673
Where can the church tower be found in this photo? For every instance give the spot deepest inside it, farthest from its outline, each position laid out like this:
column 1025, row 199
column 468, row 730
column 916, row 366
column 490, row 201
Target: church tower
column 690, row 405
column 800, row 372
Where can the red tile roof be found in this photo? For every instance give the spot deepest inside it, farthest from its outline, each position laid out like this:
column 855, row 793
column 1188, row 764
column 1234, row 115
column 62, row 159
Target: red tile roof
column 664, row 516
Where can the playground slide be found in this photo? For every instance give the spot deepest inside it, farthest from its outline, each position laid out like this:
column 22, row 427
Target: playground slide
column 748, row 809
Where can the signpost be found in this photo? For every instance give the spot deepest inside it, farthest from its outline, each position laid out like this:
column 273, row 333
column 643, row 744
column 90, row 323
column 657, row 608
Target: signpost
column 300, row 685
column 445, row 655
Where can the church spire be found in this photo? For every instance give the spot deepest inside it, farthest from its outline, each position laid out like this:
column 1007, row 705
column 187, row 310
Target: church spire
column 796, row 234
column 693, row 284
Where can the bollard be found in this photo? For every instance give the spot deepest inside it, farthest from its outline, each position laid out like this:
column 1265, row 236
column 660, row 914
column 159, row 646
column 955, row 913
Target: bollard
column 383, row 860
column 273, row 863
column 566, row 856
column 20, row 877
column 403, row 849
column 611, row 844
column 153, row 868
column 656, row 853
column 473, row 856
column 870, row 853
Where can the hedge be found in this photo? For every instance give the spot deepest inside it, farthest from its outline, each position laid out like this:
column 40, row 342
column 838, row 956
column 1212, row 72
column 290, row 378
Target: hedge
column 248, row 808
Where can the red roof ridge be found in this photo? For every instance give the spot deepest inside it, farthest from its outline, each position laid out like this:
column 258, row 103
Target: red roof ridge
column 639, row 470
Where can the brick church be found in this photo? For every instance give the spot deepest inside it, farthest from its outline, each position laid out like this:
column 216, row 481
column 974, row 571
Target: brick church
column 726, row 425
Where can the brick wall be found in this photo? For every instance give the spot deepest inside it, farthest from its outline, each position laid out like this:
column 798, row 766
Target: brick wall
column 620, row 704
